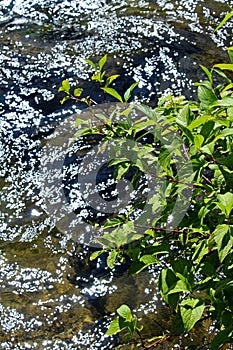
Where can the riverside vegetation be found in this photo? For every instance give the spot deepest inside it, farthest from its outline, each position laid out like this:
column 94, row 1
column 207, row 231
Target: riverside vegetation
column 195, row 258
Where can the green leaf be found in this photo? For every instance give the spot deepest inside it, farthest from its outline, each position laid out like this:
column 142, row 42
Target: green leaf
column 222, row 75
column 223, row 337
column 230, row 53
column 223, row 66
column 198, row 141
column 224, row 133
column 227, row 161
column 199, row 121
column 82, row 132
column 207, row 128
column 65, row 99
column 113, row 93
column 65, row 86
column 114, row 327
column 180, row 287
column 165, row 158
column 208, row 73
column 201, row 250
column 80, row 121
column 92, row 64
column 96, row 254
column 223, row 238
column 206, row 96
column 118, row 161
column 111, row 79
column 208, row 149
column 102, row 61
column 225, row 19
column 184, row 115
column 149, row 259
column 78, row 92
column 228, row 87
column 136, row 267
column 191, row 310
column 226, row 200
column 225, row 102
column 111, row 259
column 122, row 170
column 113, row 222
column 129, row 91
column 167, row 281
column 125, row 312
column 96, row 77
column 186, row 132
column 132, row 326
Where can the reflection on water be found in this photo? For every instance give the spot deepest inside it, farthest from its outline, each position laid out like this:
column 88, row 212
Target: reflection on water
column 50, row 298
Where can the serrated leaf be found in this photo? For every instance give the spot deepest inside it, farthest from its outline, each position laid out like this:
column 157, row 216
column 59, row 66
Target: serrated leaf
column 184, row 115
column 191, row 310
column 113, row 93
column 165, row 158
column 129, row 91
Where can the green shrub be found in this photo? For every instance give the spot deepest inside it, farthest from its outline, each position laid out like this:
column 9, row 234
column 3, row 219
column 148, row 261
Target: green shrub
column 196, row 256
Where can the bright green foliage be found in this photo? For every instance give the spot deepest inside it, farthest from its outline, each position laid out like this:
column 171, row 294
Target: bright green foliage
column 125, row 320
column 99, row 76
column 195, row 257
column 191, row 310
column 225, row 19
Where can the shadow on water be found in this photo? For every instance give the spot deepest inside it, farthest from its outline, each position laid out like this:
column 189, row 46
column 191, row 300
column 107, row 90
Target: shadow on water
column 51, row 296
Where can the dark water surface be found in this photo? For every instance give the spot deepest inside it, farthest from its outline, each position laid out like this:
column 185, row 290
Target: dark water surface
column 50, row 298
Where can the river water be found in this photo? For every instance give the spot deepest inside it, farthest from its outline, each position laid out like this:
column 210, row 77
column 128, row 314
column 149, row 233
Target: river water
column 50, row 297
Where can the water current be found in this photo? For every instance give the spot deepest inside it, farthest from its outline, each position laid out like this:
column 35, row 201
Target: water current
column 51, row 297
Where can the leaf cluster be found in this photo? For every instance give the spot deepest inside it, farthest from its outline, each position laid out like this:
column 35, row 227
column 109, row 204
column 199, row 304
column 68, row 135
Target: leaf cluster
column 104, row 83
column 195, row 258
